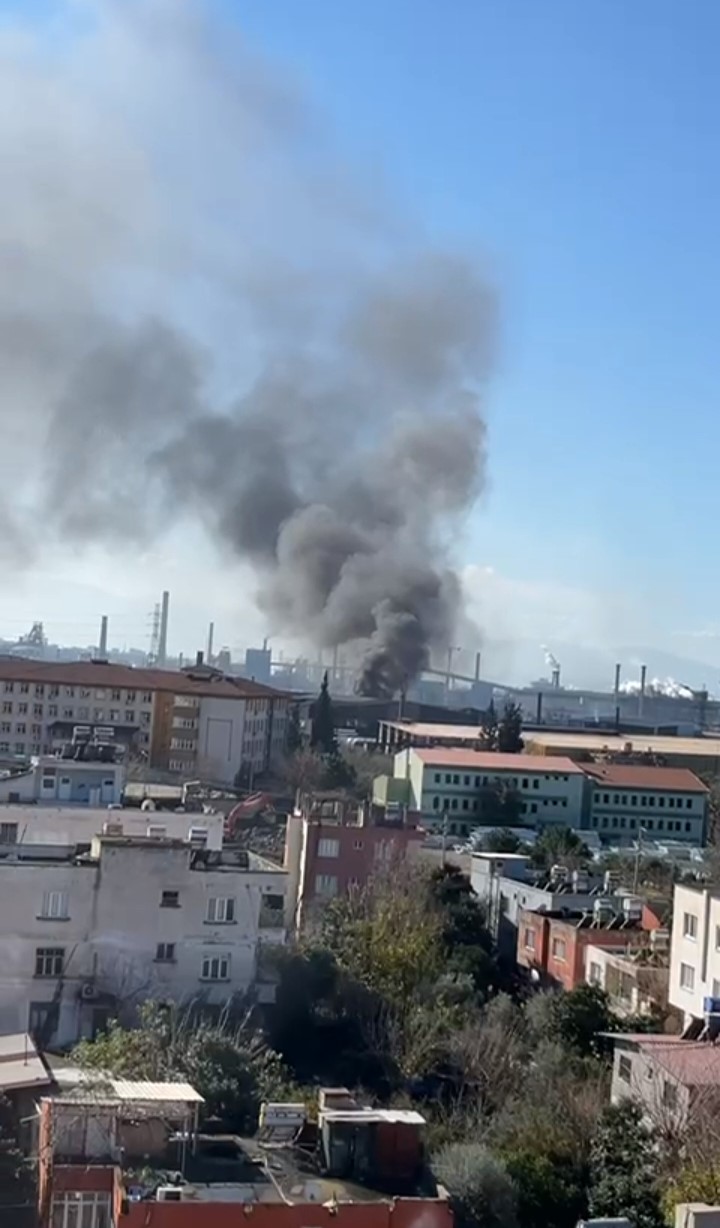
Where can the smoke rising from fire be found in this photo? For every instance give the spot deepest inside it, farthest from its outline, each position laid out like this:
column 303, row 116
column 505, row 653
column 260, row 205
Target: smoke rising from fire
column 202, row 314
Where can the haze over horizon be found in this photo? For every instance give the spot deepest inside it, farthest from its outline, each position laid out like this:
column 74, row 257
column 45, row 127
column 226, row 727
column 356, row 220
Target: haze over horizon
column 586, row 130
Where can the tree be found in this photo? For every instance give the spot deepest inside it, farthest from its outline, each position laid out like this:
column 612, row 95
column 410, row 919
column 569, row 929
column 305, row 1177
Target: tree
column 17, row 1188
column 322, row 737
column 500, row 840
column 467, row 943
column 509, row 733
column 576, row 1019
column 489, row 727
column 623, row 1165
column 559, row 845
column 233, row 1069
column 550, row 1188
column 483, row 1193
column 500, row 805
column 293, row 741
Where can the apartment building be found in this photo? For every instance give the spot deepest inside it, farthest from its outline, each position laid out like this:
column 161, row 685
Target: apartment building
column 455, row 788
column 635, row 980
column 196, row 722
column 668, row 1076
column 695, row 956
column 333, row 845
column 552, row 946
column 88, row 935
column 663, row 803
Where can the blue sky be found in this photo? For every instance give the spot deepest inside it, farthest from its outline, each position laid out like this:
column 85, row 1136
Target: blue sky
column 573, row 145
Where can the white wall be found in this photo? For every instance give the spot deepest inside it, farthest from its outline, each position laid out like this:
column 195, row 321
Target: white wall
column 700, row 953
column 115, row 922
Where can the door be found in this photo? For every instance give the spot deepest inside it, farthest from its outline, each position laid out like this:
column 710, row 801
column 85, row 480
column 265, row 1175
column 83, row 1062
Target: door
column 64, row 789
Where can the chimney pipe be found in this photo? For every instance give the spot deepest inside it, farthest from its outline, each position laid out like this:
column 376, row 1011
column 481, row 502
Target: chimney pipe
column 477, row 666
column 334, row 671
column 618, row 669
column 641, row 697
column 210, row 638
column 102, row 646
column 198, row 658
column 538, row 713
column 556, row 678
column 162, row 643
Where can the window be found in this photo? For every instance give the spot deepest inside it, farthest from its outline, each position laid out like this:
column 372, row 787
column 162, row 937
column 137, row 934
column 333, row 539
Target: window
column 221, row 909
column 170, row 899
column 39, row 688
column 436, row 803
column 67, row 714
column 437, row 778
column 325, row 884
column 5, row 727
column 146, row 697
column 448, row 778
column 536, row 784
column 558, row 948
column 530, row 940
column 328, row 848
column 19, row 748
column 115, row 695
column 688, row 827
column 99, row 714
column 215, row 968
column 625, row 1068
column 37, row 709
column 156, row 832
column 52, row 710
column 669, row 1095
column 466, row 781
column 633, row 799
column 525, row 783
column 456, row 778
column 8, row 833
column 465, row 803
column 21, row 727
column 54, row 905
column 688, row 804
column 165, row 953
column 533, row 807
column 357, row 844
column 114, row 714
column 595, row 974
column 7, row 709
column 687, row 976
column 130, row 716
column 24, row 688
column 70, row 692
column 454, row 804
column 49, row 961
column 661, row 801
column 89, row 1209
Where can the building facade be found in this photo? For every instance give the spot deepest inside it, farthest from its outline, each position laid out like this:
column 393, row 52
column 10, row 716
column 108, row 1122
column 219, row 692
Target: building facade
column 456, row 788
column 196, row 721
column 86, row 936
column 695, row 953
column 662, row 803
column 635, row 980
column 333, row 846
column 553, row 946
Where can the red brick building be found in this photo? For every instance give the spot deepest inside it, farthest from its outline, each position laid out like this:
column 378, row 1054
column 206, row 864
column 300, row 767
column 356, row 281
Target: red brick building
column 333, row 845
column 552, row 945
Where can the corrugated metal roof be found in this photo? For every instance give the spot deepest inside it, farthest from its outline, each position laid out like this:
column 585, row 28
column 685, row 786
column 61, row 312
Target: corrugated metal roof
column 488, row 761
column 108, row 674
column 131, row 1089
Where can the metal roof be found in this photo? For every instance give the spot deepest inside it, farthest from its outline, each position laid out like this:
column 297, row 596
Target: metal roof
column 130, row 1089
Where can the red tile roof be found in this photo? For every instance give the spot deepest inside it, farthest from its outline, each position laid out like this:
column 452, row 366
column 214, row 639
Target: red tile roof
column 695, row 1063
column 107, row 674
column 489, row 761
column 637, row 776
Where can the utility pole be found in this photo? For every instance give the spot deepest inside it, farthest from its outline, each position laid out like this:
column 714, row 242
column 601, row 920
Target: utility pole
column 638, row 855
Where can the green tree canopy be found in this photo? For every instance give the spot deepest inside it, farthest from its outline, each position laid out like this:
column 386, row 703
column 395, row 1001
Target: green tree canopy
column 509, row 733
column 623, row 1168
column 482, row 1191
column 322, row 737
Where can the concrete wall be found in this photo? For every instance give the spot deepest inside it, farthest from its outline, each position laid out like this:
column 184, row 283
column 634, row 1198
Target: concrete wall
column 699, row 952
column 645, row 1082
column 115, row 921
column 221, row 726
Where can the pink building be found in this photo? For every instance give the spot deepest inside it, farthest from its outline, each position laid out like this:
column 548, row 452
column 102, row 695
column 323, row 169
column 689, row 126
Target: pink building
column 334, row 844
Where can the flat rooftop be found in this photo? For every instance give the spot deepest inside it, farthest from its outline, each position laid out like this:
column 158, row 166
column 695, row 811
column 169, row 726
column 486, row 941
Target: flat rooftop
column 492, row 761
column 594, row 743
column 441, row 732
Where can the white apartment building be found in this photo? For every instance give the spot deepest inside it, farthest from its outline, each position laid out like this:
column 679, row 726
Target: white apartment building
column 53, row 830
column 695, row 953
column 91, row 935
column 448, row 783
column 196, row 721
column 663, row 803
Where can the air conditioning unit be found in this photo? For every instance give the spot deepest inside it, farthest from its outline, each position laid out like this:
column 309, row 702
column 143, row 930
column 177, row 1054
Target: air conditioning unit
column 603, row 909
column 199, row 837
column 632, row 908
column 169, row 1193
column 88, row 992
column 659, row 940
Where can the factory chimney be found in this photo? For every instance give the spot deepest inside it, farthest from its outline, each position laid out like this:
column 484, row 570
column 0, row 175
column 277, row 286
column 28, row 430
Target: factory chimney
column 102, row 646
column 477, row 666
column 641, row 697
column 618, row 669
column 162, row 643
column 555, row 680
column 210, row 638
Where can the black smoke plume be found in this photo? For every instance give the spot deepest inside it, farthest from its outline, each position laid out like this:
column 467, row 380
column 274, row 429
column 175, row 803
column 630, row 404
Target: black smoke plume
column 175, row 227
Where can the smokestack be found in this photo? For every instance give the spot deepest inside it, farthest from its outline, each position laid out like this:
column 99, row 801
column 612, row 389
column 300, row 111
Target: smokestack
column 334, row 670
column 556, row 678
column 210, row 638
column 538, row 710
column 198, row 658
column 162, row 642
column 102, row 646
column 641, row 697
column 618, row 669
column 477, row 666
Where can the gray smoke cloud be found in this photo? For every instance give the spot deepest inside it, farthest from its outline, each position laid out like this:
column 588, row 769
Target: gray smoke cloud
column 175, row 227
